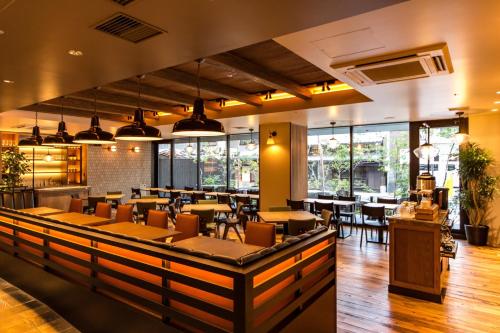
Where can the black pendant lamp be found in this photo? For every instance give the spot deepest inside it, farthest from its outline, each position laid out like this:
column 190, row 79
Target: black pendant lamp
column 35, row 140
column 138, row 130
column 62, row 137
column 198, row 124
column 94, row 135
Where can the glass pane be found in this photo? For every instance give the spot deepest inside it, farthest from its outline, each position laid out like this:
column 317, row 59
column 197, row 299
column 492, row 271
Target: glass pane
column 213, row 163
column 243, row 162
column 328, row 161
column 164, row 156
column 445, row 165
column 185, row 158
column 381, row 161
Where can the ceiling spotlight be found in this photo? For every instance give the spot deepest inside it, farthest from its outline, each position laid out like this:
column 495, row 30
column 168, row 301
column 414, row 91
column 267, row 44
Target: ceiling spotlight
column 7, row 81
column 76, row 53
column 2, row 32
column 498, row 92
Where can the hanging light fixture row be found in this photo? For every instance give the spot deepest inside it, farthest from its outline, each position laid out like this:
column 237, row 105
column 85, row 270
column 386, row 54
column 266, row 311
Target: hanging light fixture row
column 61, row 138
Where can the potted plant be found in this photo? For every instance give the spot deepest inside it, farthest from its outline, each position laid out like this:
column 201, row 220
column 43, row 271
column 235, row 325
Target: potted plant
column 478, row 191
column 14, row 166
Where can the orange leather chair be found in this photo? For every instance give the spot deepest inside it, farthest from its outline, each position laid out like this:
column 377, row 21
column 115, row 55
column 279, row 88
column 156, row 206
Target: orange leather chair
column 76, row 206
column 103, row 210
column 188, row 224
column 157, row 218
column 260, row 234
column 124, row 213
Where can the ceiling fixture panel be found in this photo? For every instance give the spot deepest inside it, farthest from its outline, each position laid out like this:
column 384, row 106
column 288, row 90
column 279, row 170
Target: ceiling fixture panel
column 128, row 28
column 413, row 64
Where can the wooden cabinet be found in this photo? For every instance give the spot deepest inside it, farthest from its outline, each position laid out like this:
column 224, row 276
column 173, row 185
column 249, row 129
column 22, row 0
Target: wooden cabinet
column 416, row 268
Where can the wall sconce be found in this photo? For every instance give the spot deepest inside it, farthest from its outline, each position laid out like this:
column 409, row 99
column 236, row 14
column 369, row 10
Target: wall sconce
column 112, row 148
column 270, row 138
column 136, row 149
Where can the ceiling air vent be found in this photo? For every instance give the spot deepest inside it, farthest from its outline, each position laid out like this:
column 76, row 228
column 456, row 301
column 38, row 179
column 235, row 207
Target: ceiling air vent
column 413, row 64
column 123, row 2
column 129, row 28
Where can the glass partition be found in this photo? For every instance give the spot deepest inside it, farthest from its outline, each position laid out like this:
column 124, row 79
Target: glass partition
column 164, row 163
column 185, row 161
column 213, row 163
column 381, row 161
column 328, row 161
column 243, row 162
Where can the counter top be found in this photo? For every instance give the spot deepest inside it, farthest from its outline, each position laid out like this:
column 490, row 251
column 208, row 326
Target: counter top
column 443, row 215
column 62, row 188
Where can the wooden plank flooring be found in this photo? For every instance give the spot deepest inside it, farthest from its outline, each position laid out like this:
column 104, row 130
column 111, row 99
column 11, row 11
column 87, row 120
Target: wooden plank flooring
column 472, row 302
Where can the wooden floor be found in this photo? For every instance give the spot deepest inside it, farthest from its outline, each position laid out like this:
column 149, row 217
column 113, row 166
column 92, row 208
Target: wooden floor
column 472, row 302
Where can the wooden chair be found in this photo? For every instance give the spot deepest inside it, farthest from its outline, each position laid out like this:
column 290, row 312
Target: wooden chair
column 295, row 204
column 260, row 234
column 116, row 202
column 280, row 209
column 103, row 210
column 93, row 203
column 136, row 193
column 376, row 221
column 188, row 225
column 154, row 192
column 143, row 208
column 348, row 213
column 298, row 227
column 76, row 206
column 224, row 199
column 207, row 223
column 124, row 213
column 325, row 196
column 197, row 196
column 327, row 216
column 319, row 206
column 157, row 218
column 241, row 219
column 188, row 188
column 387, row 200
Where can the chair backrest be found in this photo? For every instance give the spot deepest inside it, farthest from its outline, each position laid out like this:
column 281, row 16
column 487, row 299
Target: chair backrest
column 231, row 190
column 260, row 234
column 373, row 212
column 327, row 216
column 103, row 210
column 387, row 200
column 325, row 196
column 143, row 207
column 206, row 216
column 298, row 227
column 207, row 189
column 223, row 199
column 136, row 192
column 93, row 202
column 188, row 225
column 319, row 206
column 169, row 187
column 346, row 198
column 124, row 213
column 207, row 202
column 188, row 188
column 157, row 218
column 175, row 194
column 113, row 192
column 280, row 209
column 154, row 192
column 196, row 196
column 242, row 198
column 28, row 198
column 76, row 206
column 253, row 192
column 295, row 204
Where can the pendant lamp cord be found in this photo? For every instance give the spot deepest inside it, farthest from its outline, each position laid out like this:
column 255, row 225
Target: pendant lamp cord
column 139, row 92
column 198, row 77
column 62, row 108
column 95, row 101
column 36, row 118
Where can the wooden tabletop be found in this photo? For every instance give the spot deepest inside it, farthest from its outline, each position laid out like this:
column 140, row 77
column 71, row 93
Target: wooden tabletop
column 42, row 211
column 159, row 201
column 80, row 219
column 139, row 231
column 385, row 205
column 114, row 196
column 327, row 201
column 220, row 247
column 218, row 208
column 283, row 217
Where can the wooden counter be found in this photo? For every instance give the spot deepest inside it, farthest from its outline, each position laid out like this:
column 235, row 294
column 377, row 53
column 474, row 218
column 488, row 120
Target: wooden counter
column 416, row 267
column 59, row 197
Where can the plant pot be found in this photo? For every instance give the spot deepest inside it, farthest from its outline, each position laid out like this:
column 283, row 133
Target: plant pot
column 477, row 235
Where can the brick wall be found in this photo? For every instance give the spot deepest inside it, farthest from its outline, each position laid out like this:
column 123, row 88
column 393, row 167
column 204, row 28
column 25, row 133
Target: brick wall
column 120, row 170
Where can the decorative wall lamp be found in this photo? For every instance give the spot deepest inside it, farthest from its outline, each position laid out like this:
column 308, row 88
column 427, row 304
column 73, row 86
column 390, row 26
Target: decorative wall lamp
column 270, row 138
column 112, row 148
column 136, row 149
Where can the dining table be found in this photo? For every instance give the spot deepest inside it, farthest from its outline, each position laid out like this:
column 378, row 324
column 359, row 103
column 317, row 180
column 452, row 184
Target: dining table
column 159, row 201
column 219, row 247
column 114, row 197
column 139, row 231
column 282, row 217
column 218, row 208
column 81, row 219
column 42, row 211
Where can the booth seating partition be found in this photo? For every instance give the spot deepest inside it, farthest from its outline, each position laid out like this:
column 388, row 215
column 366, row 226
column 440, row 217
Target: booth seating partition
column 191, row 290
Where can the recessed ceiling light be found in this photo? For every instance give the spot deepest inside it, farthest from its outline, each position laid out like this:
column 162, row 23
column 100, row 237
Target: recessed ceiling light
column 494, row 110
column 76, row 53
column 2, row 32
column 7, row 81
column 498, row 92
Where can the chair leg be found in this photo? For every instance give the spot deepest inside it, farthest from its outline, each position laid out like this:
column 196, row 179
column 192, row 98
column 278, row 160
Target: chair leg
column 361, row 240
column 386, row 238
column 237, row 233
column 226, row 230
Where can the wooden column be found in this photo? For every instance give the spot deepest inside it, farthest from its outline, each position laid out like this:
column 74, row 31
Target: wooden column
column 282, row 166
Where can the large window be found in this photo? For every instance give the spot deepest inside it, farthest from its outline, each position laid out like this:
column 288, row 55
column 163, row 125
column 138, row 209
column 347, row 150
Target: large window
column 185, row 163
column 164, row 160
column 381, row 161
column 213, row 163
column 328, row 161
column 243, row 162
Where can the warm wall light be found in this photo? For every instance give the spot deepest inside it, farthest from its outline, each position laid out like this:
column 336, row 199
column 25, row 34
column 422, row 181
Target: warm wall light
column 136, row 149
column 112, row 148
column 270, row 138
